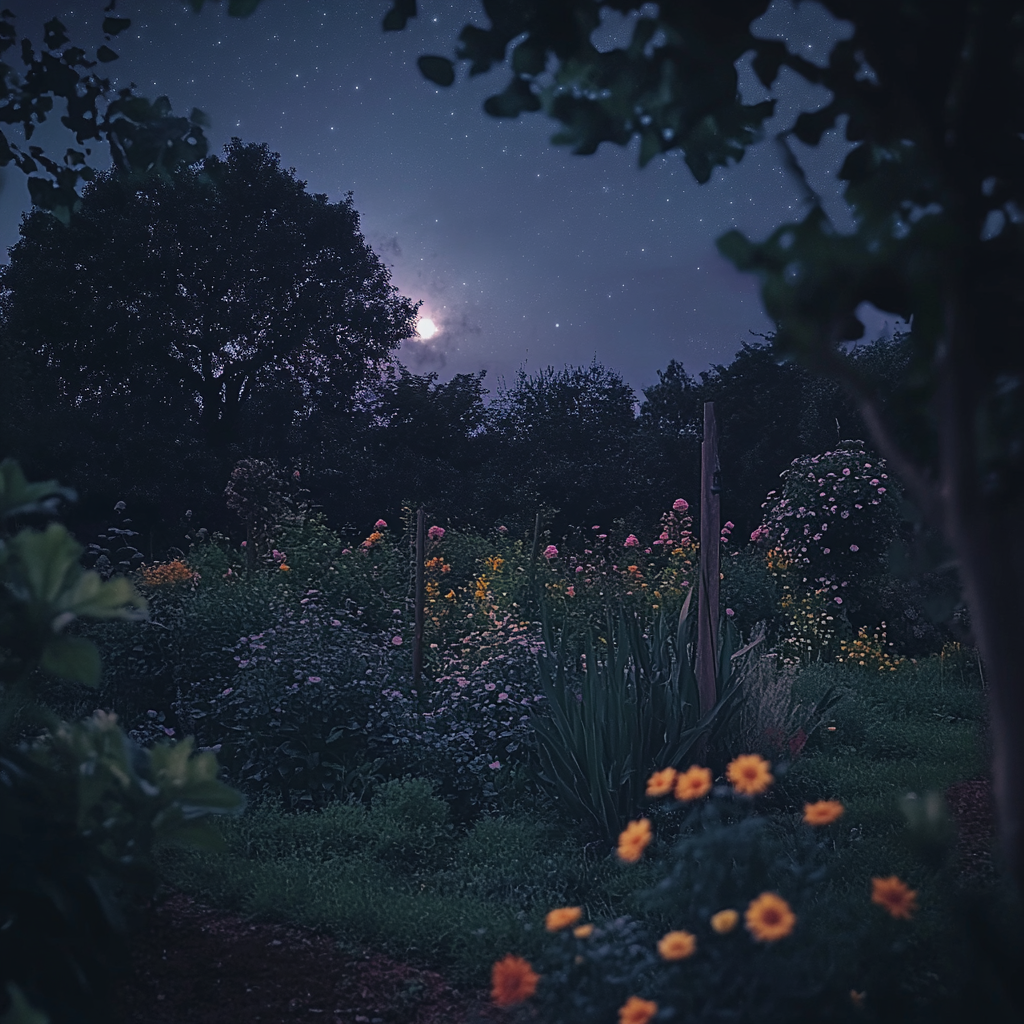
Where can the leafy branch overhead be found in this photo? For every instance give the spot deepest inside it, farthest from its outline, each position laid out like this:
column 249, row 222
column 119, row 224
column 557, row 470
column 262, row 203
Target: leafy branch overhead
column 141, row 134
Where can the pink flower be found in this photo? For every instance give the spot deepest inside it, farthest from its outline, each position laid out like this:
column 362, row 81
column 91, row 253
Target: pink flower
column 490, row 686
column 244, row 543
column 397, row 641
column 853, row 547
column 295, row 475
column 631, row 542
column 729, row 612
column 346, row 551
column 502, row 696
column 502, row 529
column 550, row 552
column 826, row 551
column 838, row 600
column 335, row 622
column 435, row 532
column 881, row 490
column 571, row 591
column 495, row 765
column 874, row 483
column 314, row 679
column 602, row 536
column 579, row 568
column 680, row 505
column 647, row 551
column 846, row 472
column 380, row 525
column 595, row 527
column 729, row 526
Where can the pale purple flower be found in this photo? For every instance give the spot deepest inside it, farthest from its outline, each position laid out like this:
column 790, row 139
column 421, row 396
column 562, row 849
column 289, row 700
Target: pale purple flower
column 435, row 532
column 502, row 529
column 397, row 641
column 495, row 765
column 846, row 472
column 579, row 568
column 854, row 548
column 874, row 483
column 314, row 679
column 729, row 612
column 335, row 622
column 838, row 600
column 490, row 686
column 502, row 696
column 826, row 551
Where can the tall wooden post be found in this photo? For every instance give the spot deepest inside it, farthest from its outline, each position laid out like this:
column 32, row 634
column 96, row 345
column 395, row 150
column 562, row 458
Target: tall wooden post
column 417, row 642
column 710, row 571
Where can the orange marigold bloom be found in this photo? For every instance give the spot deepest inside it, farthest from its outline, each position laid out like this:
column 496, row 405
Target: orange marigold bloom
column 285, row 568
column 749, row 774
column 823, row 812
column 724, row 921
column 584, row 931
column 562, row 917
column 694, row 783
column 637, row 1011
column 677, row 945
column 513, row 981
column 895, row 896
column 633, row 840
column 769, row 917
column 661, row 783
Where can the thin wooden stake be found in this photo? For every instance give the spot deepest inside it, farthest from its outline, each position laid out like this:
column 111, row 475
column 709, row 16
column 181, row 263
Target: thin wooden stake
column 417, row 643
column 710, row 569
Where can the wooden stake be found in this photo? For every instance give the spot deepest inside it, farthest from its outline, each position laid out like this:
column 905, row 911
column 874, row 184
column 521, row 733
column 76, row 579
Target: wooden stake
column 710, row 569
column 417, row 643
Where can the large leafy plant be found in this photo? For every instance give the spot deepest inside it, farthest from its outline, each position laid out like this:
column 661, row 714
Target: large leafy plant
column 81, row 806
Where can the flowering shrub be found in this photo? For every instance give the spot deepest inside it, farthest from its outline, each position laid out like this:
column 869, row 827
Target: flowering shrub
column 167, row 574
column 834, row 518
column 742, row 896
column 870, row 649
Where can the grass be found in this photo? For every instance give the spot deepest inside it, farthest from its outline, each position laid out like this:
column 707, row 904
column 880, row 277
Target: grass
column 399, row 876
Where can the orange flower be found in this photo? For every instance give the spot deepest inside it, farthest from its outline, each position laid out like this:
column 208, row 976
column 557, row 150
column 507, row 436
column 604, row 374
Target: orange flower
column 170, row 572
column 637, row 1011
column 895, row 896
column 769, row 918
column 561, row 918
column 724, row 921
column 513, row 981
column 749, row 774
column 584, row 931
column 694, row 783
column 823, row 812
column 677, row 945
column 285, row 568
column 661, row 783
column 633, row 840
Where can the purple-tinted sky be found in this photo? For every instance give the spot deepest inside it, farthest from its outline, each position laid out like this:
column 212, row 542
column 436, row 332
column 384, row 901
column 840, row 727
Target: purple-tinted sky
column 522, row 253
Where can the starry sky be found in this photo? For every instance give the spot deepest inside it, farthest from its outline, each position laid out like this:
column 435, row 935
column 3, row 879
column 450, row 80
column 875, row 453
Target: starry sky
column 523, row 254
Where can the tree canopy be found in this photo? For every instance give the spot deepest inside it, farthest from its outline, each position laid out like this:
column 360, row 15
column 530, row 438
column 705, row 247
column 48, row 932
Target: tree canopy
column 223, row 304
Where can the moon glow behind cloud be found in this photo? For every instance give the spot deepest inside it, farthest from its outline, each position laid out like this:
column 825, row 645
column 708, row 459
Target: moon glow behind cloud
column 426, row 329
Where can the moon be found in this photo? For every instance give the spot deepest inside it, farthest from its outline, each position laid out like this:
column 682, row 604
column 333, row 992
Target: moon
column 426, row 329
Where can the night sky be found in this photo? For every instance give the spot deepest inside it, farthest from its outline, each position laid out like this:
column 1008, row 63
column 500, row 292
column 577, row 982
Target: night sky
column 523, row 254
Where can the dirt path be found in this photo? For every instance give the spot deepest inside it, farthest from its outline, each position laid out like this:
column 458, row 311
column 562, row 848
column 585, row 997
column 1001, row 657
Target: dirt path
column 196, row 965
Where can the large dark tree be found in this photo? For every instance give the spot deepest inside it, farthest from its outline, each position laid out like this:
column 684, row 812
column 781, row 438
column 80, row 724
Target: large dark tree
column 221, row 308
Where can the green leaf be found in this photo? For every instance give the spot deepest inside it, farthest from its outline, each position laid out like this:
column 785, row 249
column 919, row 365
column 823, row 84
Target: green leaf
column 21, row 1011
column 19, row 497
column 114, row 26
column 439, row 70
column 73, row 658
column 395, row 20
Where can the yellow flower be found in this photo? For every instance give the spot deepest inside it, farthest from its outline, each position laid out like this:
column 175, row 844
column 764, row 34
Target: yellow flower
column 677, row 945
column 769, row 917
column 823, row 812
column 724, row 921
column 584, row 931
column 633, row 840
column 561, row 918
column 660, row 783
column 513, row 981
column 749, row 774
column 637, row 1011
column 895, row 896
column 694, row 783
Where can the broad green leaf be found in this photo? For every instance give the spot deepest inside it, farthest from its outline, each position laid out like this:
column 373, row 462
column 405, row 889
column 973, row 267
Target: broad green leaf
column 19, row 497
column 439, row 70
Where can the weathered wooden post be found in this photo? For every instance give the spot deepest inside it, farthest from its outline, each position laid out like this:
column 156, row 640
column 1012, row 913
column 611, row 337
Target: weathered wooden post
column 417, row 642
column 710, row 570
